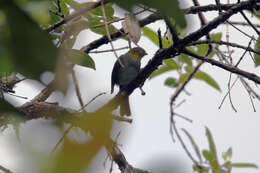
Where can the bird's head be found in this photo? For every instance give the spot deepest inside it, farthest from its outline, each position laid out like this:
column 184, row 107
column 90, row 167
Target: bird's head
column 137, row 52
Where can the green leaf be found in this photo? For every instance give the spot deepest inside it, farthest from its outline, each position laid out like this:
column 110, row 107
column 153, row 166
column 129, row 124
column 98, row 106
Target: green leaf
column 160, row 71
column 100, row 30
column 183, row 77
column 202, row 49
column 208, row 79
column 212, row 147
column 256, row 56
column 165, row 7
column 244, row 165
column 216, row 36
column 195, row 146
column 171, row 82
column 185, row 58
column 170, row 64
column 207, row 155
column 80, row 58
column 154, row 37
column 30, row 48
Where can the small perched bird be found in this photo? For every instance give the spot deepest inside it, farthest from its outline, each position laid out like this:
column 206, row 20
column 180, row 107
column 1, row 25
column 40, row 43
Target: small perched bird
column 124, row 72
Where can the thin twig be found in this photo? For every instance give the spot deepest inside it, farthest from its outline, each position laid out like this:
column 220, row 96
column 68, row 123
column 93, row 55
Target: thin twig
column 108, row 34
column 94, row 98
column 220, row 42
column 110, row 50
column 249, row 22
column 76, row 85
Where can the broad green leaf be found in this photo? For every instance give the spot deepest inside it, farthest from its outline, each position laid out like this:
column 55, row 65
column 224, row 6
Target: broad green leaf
column 202, row 49
column 154, row 37
column 207, row 155
column 77, row 6
column 195, row 146
column 160, row 71
column 132, row 28
column 244, row 165
column 170, row 64
column 165, row 7
column 216, row 36
column 171, row 82
column 212, row 147
column 30, row 48
column 208, row 79
column 185, row 58
column 256, row 56
column 183, row 77
column 80, row 58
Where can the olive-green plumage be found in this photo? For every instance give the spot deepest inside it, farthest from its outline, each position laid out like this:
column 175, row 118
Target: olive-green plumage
column 122, row 75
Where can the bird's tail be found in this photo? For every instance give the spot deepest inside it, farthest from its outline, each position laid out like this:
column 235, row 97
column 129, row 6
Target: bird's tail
column 125, row 107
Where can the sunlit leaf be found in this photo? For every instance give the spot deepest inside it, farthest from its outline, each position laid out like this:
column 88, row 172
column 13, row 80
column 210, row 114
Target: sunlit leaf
column 208, row 79
column 154, row 37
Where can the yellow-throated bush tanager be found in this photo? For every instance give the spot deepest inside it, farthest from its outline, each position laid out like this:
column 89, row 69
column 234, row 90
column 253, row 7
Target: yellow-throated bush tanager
column 122, row 75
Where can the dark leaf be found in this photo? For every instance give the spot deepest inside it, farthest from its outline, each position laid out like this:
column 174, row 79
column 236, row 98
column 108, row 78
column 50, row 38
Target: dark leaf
column 31, row 49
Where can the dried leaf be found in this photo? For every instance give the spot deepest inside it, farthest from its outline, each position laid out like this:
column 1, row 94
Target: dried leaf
column 132, row 28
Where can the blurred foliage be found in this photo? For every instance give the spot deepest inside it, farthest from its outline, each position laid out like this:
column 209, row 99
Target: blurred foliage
column 210, row 161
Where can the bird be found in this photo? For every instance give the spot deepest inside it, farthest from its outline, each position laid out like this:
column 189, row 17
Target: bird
column 125, row 69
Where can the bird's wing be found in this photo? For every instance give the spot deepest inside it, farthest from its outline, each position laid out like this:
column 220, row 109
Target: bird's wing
column 114, row 76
